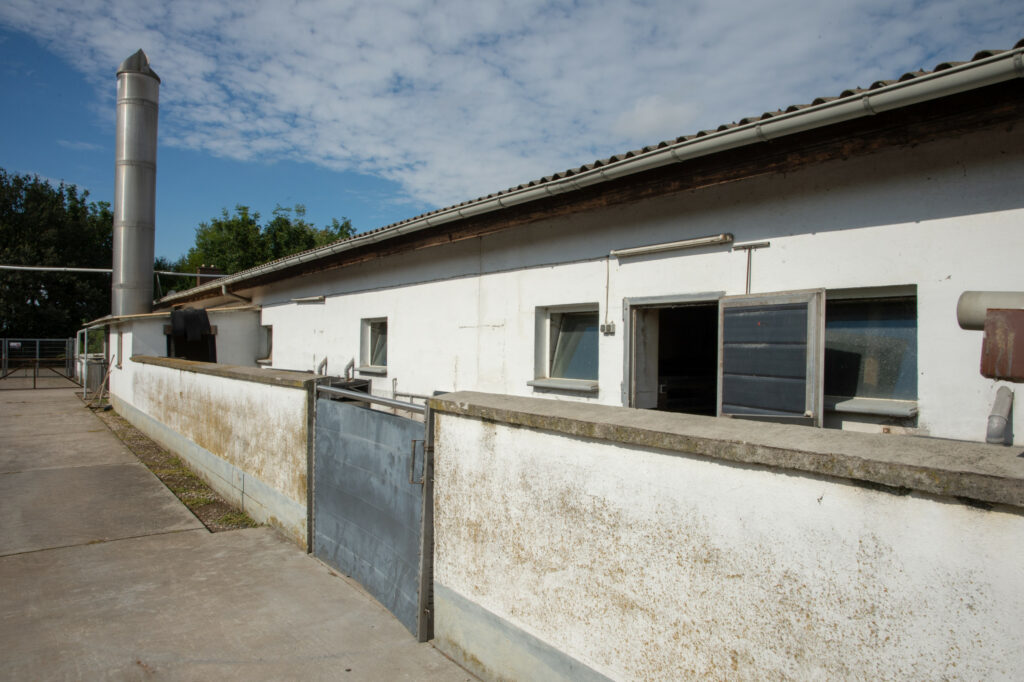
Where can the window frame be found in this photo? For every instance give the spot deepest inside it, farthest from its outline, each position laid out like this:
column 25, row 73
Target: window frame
column 366, row 340
column 874, row 406
column 545, row 316
column 814, row 381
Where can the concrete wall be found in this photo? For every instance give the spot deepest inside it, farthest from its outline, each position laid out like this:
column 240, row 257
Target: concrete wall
column 562, row 552
column 243, row 430
column 941, row 217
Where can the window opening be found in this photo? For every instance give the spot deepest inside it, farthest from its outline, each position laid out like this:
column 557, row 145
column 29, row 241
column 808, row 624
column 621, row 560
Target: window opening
column 871, row 348
column 190, row 336
column 573, row 345
column 675, row 366
column 374, row 348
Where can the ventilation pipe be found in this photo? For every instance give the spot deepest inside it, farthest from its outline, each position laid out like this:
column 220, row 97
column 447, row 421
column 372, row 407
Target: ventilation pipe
column 973, row 306
column 138, row 89
column 999, row 419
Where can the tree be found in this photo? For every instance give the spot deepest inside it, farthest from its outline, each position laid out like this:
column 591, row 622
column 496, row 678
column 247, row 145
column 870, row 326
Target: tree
column 235, row 242
column 56, row 227
column 231, row 242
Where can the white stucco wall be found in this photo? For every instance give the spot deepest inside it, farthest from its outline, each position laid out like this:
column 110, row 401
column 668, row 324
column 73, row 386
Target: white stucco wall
column 644, row 565
column 238, row 336
column 247, row 439
column 942, row 217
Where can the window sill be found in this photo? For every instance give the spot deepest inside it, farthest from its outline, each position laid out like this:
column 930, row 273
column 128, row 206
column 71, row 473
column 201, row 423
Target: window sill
column 576, row 385
column 264, row 361
column 377, row 370
column 880, row 406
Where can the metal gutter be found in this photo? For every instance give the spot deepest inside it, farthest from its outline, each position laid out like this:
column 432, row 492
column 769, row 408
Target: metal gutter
column 961, row 78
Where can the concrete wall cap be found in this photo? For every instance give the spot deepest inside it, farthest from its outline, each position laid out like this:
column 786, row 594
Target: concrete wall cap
column 273, row 377
column 973, row 472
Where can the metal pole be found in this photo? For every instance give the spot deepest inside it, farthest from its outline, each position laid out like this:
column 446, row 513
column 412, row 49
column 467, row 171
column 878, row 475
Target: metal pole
column 749, row 248
column 85, row 366
column 376, row 400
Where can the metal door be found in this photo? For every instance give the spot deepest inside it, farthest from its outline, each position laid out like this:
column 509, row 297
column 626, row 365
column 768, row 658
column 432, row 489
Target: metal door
column 371, row 506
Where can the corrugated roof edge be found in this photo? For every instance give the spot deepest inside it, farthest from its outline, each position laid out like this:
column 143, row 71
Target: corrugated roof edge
column 987, row 67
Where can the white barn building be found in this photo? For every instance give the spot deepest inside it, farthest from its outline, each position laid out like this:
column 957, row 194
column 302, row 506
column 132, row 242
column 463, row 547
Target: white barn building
column 803, row 266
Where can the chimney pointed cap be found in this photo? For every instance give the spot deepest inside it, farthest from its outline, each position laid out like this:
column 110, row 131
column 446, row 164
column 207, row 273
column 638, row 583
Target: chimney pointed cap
column 137, row 63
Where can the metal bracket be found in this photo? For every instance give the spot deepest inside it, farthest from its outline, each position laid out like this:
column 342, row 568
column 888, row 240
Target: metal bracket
column 412, row 463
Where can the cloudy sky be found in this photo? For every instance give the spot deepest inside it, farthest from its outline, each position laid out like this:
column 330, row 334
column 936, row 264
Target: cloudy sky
column 383, row 110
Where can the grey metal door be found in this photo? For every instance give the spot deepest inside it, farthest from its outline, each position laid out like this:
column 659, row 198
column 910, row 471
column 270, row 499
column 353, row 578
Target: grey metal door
column 369, row 505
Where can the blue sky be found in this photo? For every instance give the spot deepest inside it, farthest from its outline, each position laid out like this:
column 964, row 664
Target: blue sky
column 381, row 111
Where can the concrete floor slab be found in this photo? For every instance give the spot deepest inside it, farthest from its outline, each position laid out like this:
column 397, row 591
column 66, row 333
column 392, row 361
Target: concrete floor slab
column 24, row 453
column 49, row 508
column 105, row 575
column 238, row 605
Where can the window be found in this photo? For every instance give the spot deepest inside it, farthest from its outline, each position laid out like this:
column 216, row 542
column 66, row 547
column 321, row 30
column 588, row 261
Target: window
column 190, row 336
column 782, row 356
column 770, row 356
column 567, row 349
column 265, row 353
column 374, row 346
column 871, row 354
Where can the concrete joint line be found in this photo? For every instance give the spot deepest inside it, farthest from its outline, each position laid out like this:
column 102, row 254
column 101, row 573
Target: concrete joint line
column 103, row 542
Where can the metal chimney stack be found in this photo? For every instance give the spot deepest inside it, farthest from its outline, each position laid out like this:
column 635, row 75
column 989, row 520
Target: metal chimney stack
column 138, row 90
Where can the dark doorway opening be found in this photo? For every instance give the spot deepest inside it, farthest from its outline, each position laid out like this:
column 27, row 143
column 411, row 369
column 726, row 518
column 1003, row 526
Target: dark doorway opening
column 676, row 358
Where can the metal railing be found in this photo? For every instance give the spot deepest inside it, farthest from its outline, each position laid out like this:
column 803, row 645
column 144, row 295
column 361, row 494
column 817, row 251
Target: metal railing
column 373, row 399
column 56, row 355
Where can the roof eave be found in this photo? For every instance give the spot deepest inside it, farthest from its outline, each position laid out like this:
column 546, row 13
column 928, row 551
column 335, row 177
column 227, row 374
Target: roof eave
column 964, row 77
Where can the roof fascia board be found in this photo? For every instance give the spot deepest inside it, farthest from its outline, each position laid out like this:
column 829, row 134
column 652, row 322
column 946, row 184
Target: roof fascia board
column 961, row 78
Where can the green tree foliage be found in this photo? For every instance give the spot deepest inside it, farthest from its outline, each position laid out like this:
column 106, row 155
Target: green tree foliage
column 57, row 227
column 237, row 241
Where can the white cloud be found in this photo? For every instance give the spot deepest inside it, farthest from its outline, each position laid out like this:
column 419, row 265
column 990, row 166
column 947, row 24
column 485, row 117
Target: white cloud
column 79, row 145
column 458, row 99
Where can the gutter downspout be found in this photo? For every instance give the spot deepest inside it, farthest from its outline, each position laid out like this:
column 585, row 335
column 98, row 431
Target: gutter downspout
column 999, row 419
column 968, row 76
column 224, row 292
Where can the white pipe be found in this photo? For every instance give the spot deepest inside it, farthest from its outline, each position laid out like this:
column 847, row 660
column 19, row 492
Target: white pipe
column 724, row 238
column 349, row 370
column 224, row 292
column 971, row 75
column 999, row 419
column 973, row 306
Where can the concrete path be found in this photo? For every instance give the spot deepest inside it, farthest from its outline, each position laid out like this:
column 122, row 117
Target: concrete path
column 105, row 575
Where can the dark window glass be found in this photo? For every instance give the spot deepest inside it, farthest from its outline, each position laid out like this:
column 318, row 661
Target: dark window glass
column 574, row 345
column 379, row 343
column 871, row 348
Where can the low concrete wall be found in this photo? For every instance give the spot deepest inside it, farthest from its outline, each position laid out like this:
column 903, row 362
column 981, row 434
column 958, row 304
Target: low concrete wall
column 579, row 541
column 243, row 429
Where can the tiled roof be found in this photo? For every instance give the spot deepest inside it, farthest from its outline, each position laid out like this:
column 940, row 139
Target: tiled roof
column 851, row 92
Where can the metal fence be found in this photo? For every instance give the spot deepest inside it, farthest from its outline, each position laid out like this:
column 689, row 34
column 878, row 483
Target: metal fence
column 29, row 356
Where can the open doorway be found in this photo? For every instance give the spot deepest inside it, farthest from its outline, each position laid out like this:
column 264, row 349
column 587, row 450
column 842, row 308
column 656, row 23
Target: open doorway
column 675, row 357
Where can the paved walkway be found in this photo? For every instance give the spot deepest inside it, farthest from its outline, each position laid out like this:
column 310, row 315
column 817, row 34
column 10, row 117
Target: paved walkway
column 105, row 575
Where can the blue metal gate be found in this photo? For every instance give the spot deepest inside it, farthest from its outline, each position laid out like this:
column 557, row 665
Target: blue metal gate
column 371, row 502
